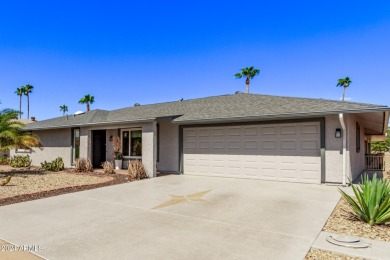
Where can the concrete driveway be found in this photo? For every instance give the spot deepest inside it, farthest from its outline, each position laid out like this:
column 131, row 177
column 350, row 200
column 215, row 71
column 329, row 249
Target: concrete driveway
column 175, row 217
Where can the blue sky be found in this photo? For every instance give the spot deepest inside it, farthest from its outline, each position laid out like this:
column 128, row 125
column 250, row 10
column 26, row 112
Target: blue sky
column 123, row 52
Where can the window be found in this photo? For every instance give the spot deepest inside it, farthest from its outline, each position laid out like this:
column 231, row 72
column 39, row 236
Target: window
column 76, row 144
column 132, row 143
column 357, row 138
column 158, row 143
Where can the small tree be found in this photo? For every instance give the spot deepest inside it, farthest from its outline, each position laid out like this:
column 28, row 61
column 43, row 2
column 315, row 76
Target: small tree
column 12, row 134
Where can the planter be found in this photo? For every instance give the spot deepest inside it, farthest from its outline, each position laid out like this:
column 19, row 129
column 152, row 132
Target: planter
column 118, row 164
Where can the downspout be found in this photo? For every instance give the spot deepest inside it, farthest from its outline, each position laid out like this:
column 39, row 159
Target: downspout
column 344, row 135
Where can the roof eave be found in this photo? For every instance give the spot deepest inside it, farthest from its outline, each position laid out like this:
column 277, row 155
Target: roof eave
column 250, row 118
column 92, row 124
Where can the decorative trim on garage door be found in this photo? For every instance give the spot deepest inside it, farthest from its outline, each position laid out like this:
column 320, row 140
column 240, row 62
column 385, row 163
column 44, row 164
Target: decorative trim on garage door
column 320, row 120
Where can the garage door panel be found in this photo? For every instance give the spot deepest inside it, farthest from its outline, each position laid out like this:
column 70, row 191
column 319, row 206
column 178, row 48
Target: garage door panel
column 286, row 152
column 251, row 131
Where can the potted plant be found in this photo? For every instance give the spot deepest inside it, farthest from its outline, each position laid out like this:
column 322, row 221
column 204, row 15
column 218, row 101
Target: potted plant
column 117, row 152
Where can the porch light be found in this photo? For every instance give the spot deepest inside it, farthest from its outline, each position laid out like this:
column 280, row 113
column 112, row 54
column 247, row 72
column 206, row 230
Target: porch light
column 110, row 138
column 337, row 134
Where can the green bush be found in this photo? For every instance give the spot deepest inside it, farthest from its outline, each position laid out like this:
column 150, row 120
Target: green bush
column 20, row 161
column 4, row 161
column 373, row 200
column 53, row 166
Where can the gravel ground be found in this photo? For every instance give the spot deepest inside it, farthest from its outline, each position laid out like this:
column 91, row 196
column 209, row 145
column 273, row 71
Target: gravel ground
column 341, row 222
column 317, row 254
column 31, row 184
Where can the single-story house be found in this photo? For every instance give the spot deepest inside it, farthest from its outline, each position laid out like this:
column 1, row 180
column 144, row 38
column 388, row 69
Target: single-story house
column 241, row 136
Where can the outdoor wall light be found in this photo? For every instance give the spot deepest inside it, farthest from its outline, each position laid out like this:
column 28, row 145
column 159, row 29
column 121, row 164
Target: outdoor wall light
column 110, row 138
column 337, row 134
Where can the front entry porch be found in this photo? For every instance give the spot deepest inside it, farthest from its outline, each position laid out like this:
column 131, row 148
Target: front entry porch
column 134, row 141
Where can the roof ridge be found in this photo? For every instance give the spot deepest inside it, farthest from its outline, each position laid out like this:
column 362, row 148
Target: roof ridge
column 312, row 98
column 253, row 94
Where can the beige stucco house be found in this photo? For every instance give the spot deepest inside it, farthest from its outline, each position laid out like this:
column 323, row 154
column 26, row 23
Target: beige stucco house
column 239, row 136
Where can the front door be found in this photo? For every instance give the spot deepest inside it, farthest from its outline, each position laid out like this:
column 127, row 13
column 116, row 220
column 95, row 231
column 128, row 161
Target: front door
column 98, row 147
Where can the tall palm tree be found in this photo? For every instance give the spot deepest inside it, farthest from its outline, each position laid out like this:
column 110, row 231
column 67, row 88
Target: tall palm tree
column 249, row 73
column 27, row 91
column 12, row 134
column 20, row 92
column 64, row 109
column 345, row 84
column 87, row 99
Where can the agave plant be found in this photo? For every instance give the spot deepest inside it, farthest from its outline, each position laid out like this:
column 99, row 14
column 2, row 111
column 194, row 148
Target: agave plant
column 372, row 204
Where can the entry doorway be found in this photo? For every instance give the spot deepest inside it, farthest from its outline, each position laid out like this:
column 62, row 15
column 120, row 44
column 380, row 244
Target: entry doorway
column 98, row 147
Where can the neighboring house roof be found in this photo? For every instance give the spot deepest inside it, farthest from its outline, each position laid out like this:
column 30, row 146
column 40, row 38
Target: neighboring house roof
column 25, row 121
column 227, row 107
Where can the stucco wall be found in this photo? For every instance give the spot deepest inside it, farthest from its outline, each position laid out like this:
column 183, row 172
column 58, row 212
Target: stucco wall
column 109, row 145
column 333, row 150
column 168, row 146
column 56, row 143
column 149, row 148
column 84, row 142
column 355, row 160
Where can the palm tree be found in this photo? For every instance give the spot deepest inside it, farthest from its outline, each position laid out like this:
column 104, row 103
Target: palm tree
column 87, row 99
column 64, row 109
column 12, row 134
column 27, row 91
column 20, row 92
column 344, row 83
column 249, row 73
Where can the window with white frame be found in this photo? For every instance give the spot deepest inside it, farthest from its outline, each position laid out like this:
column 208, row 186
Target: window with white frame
column 76, row 144
column 132, row 143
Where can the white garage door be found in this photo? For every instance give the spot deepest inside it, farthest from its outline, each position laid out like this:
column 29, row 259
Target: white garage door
column 283, row 152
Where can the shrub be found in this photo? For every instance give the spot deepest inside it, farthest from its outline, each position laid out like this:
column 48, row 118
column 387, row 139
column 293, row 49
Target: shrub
column 136, row 170
column 54, row 166
column 20, row 161
column 108, row 167
column 83, row 165
column 372, row 204
column 4, row 161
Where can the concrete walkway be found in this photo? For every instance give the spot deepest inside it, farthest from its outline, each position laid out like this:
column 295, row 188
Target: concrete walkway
column 175, row 217
column 376, row 250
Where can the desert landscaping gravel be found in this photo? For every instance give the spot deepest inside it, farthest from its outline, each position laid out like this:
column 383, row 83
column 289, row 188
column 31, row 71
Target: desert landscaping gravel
column 342, row 222
column 31, row 184
column 317, row 254
column 28, row 183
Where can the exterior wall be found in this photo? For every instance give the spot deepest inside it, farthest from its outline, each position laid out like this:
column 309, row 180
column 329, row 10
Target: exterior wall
column 109, row 145
column 387, row 162
column 333, row 150
column 55, row 143
column 168, row 147
column 85, row 142
column 355, row 160
column 149, row 148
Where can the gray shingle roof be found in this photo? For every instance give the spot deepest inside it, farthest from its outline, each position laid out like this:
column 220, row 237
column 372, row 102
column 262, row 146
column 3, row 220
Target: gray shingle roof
column 225, row 107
